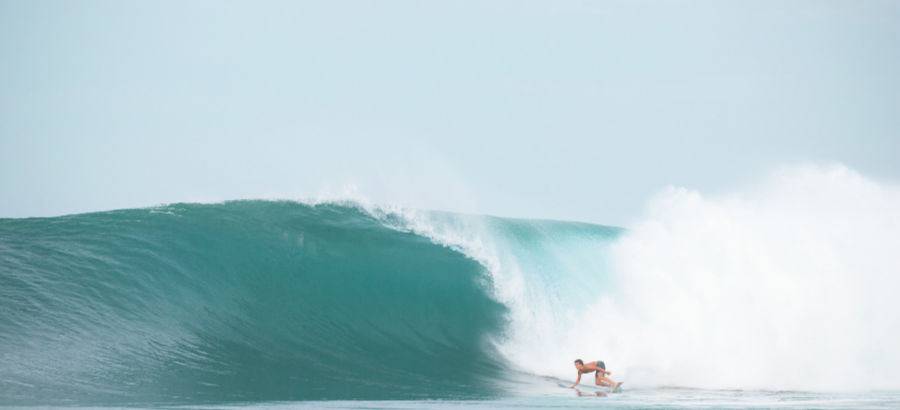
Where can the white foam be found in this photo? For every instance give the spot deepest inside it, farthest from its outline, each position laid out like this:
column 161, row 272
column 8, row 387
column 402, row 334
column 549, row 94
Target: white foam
column 792, row 286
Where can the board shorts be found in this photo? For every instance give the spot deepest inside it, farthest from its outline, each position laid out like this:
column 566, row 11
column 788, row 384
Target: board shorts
column 601, row 365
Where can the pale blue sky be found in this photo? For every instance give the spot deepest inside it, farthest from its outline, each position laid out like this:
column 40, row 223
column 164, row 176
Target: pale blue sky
column 563, row 110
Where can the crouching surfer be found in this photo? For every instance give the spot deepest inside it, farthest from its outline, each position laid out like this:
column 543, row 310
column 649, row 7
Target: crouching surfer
column 599, row 369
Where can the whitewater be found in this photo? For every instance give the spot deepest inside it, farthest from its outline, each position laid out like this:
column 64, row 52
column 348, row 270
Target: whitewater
column 781, row 295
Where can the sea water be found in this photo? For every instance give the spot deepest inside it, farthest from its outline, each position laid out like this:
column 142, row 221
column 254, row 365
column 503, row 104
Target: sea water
column 668, row 399
column 783, row 296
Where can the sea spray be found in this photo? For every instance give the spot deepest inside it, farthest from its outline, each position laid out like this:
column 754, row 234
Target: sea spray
column 791, row 286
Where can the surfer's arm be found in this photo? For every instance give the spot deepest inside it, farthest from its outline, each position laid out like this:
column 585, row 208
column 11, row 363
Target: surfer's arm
column 576, row 381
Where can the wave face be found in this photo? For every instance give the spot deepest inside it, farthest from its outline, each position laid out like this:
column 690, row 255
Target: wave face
column 242, row 301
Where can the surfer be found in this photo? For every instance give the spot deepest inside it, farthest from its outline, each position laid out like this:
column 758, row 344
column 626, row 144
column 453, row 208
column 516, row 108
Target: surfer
column 599, row 369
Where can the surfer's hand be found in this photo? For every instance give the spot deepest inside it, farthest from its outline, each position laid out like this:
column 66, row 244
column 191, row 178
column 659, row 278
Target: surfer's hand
column 608, row 372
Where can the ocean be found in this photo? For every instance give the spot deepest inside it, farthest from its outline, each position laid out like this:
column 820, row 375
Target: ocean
column 283, row 304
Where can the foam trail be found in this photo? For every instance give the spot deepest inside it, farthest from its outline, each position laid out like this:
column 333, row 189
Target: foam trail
column 791, row 286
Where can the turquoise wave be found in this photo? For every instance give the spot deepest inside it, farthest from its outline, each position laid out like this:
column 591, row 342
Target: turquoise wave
column 243, row 301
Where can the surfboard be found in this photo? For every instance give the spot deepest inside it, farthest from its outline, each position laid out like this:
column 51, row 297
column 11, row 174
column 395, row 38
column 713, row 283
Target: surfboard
column 618, row 388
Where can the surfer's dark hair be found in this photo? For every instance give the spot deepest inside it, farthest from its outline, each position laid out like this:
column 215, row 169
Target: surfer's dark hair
column 579, row 362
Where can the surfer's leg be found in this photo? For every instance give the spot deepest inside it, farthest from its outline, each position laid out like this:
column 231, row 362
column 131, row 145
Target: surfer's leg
column 598, row 381
column 608, row 382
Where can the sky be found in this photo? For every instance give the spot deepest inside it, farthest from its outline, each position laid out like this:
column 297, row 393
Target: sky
column 570, row 110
